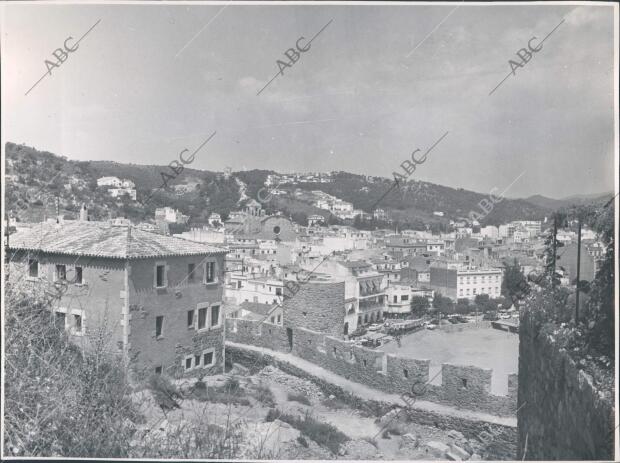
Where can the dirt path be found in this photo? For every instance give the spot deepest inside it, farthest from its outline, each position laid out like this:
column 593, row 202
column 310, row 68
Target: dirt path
column 368, row 393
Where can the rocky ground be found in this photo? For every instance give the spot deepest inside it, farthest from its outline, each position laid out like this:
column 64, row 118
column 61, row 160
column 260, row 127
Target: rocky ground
column 238, row 428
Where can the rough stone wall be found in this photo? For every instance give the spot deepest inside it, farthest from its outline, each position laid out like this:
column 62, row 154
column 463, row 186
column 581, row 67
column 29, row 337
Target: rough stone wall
column 173, row 302
column 501, row 441
column 250, row 332
column 317, row 307
column 563, row 416
column 386, row 372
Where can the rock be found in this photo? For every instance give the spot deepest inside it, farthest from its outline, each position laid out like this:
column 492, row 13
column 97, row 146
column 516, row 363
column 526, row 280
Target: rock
column 475, row 457
column 453, row 457
column 437, row 449
column 332, row 397
column 358, row 450
column 462, row 454
column 410, row 438
column 456, row 435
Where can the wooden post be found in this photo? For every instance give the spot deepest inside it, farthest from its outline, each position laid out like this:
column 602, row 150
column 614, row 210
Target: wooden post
column 555, row 243
column 578, row 268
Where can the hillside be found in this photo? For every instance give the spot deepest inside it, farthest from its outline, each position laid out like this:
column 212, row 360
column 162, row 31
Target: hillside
column 577, row 200
column 38, row 180
column 39, row 183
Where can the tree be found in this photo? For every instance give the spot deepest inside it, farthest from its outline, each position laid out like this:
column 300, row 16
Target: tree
column 462, row 306
column 419, row 304
column 444, row 304
column 514, row 284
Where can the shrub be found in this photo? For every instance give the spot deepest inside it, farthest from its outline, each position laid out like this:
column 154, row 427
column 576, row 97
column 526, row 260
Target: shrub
column 322, row 433
column 264, row 395
column 272, row 415
column 302, row 399
column 302, row 441
column 165, row 393
column 60, row 401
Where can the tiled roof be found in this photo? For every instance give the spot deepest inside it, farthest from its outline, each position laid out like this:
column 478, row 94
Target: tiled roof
column 258, row 307
column 355, row 263
column 104, row 240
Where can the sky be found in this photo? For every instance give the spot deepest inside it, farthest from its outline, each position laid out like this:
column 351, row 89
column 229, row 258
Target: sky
column 380, row 81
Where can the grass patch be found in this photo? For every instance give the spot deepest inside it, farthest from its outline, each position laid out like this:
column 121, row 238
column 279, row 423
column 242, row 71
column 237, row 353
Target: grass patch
column 302, row 399
column 322, row 433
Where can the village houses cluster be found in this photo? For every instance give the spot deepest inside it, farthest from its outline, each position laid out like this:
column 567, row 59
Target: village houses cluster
column 165, row 298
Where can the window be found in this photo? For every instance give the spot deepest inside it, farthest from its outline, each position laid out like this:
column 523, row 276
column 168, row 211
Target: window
column 33, row 268
column 61, row 272
column 158, row 370
column 278, row 291
column 210, row 272
column 78, row 276
column 197, row 360
column 77, row 324
column 405, row 373
column 279, row 318
column 159, row 325
column 59, row 320
column 273, row 319
column 160, row 276
column 215, row 315
column 190, row 272
column 190, row 319
column 188, row 363
column 464, row 383
column 202, row 318
column 208, row 359
column 405, row 297
column 395, row 298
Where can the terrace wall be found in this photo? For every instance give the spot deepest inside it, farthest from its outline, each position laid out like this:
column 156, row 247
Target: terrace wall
column 465, row 387
column 564, row 414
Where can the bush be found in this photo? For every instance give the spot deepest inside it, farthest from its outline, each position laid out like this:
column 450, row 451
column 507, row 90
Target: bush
column 165, row 393
column 322, row 433
column 264, row 395
column 59, row 400
column 302, row 399
column 272, row 415
column 302, row 441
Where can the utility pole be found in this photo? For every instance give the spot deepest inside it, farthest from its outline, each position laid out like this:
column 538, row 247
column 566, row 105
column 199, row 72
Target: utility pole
column 555, row 243
column 578, row 267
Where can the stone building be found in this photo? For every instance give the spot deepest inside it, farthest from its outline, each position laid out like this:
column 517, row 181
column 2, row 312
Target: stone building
column 157, row 299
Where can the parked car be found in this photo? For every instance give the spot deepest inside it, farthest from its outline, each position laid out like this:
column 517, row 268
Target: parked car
column 431, row 326
column 374, row 327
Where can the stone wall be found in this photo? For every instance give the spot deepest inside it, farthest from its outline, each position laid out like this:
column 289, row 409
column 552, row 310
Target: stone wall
column 501, row 443
column 465, row 387
column 562, row 415
column 318, row 306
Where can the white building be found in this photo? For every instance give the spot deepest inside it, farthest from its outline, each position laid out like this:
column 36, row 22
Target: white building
column 456, row 283
column 118, row 192
column 109, row 181
column 398, row 299
column 170, row 215
column 490, row 231
column 244, row 288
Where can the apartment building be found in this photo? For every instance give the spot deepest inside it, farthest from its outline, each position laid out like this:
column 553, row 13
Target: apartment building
column 458, row 282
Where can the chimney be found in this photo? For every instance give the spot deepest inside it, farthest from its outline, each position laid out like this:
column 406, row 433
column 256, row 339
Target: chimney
column 83, row 213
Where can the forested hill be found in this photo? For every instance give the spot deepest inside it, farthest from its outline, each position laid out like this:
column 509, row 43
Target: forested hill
column 38, row 180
